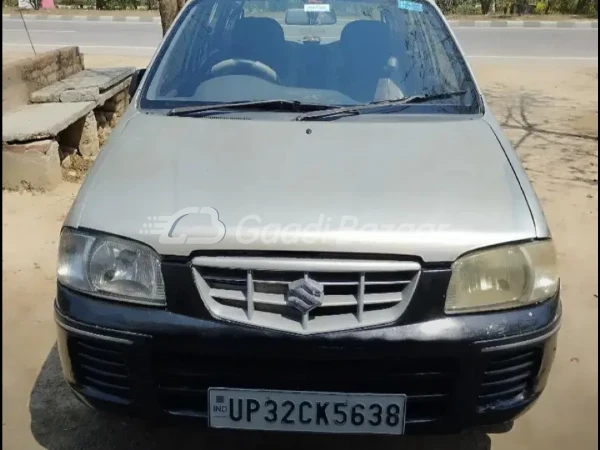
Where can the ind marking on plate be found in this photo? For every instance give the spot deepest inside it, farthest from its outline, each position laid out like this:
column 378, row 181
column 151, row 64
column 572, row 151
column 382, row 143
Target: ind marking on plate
column 316, row 7
column 410, row 6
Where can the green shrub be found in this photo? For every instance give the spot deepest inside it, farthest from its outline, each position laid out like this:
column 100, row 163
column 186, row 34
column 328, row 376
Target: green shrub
column 448, row 6
column 470, row 8
column 540, row 8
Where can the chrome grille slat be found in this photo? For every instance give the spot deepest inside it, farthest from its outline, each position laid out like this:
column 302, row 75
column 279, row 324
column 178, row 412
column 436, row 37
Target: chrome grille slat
column 225, row 279
column 279, row 300
column 250, row 295
column 324, row 283
column 356, row 292
column 304, row 264
column 360, row 307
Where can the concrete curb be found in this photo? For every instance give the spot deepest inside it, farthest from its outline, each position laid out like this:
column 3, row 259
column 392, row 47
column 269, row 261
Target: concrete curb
column 574, row 24
column 57, row 17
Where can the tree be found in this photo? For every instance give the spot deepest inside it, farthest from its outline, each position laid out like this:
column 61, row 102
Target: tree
column 486, row 6
column 168, row 10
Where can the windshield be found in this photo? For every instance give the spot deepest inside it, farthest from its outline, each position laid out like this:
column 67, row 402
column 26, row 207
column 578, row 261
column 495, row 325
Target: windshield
column 323, row 52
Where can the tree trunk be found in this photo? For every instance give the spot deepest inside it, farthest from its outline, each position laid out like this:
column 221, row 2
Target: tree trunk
column 168, row 10
column 486, row 7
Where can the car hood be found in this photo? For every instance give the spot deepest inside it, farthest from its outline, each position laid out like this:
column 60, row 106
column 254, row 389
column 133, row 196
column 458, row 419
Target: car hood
column 430, row 188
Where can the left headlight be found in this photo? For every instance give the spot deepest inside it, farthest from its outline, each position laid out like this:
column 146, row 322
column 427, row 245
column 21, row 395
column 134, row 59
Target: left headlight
column 503, row 277
column 110, row 267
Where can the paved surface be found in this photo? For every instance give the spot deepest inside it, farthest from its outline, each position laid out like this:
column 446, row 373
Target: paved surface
column 141, row 38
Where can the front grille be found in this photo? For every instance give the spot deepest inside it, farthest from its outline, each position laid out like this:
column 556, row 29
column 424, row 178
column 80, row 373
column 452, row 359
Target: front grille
column 357, row 293
column 100, row 366
column 183, row 379
column 508, row 377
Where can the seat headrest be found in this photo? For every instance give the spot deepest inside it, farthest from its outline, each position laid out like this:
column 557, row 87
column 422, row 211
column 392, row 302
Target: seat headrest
column 253, row 28
column 365, row 35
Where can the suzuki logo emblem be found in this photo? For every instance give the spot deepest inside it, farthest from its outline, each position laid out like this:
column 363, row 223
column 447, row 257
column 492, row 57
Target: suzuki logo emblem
column 305, row 295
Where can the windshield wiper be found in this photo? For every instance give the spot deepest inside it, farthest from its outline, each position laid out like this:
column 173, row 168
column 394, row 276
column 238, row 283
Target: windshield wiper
column 359, row 109
column 260, row 105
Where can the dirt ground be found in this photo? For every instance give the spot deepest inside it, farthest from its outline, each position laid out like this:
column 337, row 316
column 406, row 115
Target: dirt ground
column 550, row 112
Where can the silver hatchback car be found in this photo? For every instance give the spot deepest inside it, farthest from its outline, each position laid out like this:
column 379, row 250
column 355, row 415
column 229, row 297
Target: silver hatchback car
column 309, row 221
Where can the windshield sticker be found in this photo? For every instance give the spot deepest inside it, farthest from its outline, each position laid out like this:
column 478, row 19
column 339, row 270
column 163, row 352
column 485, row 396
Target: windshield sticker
column 410, row 6
column 316, row 7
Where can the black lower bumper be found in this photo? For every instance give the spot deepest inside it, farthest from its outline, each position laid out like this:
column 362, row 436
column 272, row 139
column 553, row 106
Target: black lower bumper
column 459, row 372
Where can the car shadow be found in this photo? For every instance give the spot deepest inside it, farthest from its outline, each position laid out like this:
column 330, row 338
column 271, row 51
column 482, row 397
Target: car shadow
column 61, row 422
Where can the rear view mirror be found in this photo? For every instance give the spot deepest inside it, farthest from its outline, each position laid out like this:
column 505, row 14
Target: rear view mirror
column 306, row 17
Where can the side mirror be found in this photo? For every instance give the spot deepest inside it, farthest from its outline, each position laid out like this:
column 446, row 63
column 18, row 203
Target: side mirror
column 136, row 79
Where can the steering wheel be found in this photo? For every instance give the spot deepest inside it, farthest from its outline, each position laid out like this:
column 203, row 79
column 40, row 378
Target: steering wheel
column 244, row 67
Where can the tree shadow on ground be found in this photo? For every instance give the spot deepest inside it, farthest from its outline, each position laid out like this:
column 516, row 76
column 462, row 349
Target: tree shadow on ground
column 555, row 140
column 517, row 117
column 60, row 422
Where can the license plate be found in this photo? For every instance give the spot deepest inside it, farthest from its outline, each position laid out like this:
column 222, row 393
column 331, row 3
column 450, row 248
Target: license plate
column 313, row 412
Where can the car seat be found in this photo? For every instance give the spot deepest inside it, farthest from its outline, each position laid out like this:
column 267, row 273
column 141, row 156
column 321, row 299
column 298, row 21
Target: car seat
column 366, row 48
column 260, row 39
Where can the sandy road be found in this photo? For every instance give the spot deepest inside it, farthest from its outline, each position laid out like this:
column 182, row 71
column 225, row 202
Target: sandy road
column 550, row 111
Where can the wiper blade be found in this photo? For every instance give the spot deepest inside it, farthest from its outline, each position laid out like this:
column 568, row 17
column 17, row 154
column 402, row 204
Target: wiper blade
column 420, row 98
column 264, row 105
column 359, row 109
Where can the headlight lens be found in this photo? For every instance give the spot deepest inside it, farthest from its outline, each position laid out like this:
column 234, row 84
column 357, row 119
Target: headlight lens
column 110, row 267
column 504, row 277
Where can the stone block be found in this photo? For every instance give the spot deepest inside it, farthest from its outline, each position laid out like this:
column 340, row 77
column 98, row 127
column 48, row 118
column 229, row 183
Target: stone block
column 66, row 163
column 33, row 122
column 26, row 75
column 33, row 169
column 65, row 151
column 41, row 147
column 103, row 134
column 45, row 97
column 80, row 95
column 105, row 80
column 82, row 135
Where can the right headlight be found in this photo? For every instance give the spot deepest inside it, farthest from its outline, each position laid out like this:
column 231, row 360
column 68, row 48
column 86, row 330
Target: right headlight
column 110, row 267
column 503, row 277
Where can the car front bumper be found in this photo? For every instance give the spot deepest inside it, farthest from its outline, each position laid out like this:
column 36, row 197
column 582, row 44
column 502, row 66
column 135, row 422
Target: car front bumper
column 458, row 372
